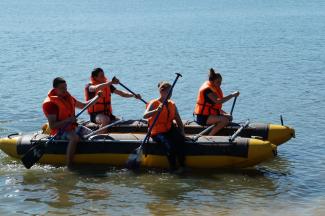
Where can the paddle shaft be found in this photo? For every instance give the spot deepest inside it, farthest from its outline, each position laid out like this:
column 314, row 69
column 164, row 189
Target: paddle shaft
column 131, row 91
column 90, row 103
column 157, row 116
column 233, row 106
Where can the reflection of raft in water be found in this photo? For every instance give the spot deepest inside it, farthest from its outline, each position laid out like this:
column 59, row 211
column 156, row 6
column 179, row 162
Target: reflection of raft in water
column 114, row 149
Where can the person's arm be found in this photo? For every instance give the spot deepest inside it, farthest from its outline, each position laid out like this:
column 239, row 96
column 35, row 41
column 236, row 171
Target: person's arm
column 179, row 122
column 94, row 88
column 81, row 105
column 114, row 90
column 217, row 100
column 53, row 123
column 223, row 112
column 150, row 111
column 126, row 94
column 123, row 93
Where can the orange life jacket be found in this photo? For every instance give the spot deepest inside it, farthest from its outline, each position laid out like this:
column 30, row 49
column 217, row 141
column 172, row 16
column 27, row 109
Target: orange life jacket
column 202, row 107
column 66, row 108
column 165, row 119
column 103, row 105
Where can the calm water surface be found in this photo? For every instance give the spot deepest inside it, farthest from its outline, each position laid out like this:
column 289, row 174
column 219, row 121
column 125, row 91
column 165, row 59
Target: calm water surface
column 272, row 51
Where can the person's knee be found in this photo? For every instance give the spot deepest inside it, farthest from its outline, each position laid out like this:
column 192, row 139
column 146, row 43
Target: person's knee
column 106, row 120
column 229, row 117
column 212, row 119
column 74, row 138
column 225, row 120
column 103, row 120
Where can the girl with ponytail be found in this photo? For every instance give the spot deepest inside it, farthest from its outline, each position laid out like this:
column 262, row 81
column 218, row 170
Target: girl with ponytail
column 208, row 108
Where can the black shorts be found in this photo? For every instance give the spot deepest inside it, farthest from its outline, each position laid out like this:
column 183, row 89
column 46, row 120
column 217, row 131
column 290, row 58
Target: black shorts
column 93, row 116
column 202, row 119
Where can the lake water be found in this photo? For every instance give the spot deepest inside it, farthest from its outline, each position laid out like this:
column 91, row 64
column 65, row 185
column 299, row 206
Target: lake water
column 272, row 51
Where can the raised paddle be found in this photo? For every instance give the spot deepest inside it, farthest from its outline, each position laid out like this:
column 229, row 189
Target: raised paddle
column 135, row 157
column 37, row 151
column 129, row 90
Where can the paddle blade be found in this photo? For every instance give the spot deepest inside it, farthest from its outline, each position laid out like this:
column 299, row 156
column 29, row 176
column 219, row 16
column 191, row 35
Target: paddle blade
column 134, row 159
column 33, row 155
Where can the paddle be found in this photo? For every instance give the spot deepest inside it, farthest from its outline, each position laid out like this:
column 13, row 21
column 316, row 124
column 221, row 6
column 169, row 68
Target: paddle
column 196, row 137
column 37, row 151
column 135, row 157
column 129, row 90
column 233, row 137
column 103, row 128
column 233, row 106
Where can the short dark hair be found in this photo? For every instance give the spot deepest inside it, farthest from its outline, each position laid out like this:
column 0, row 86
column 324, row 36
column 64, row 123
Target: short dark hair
column 96, row 71
column 163, row 85
column 57, row 81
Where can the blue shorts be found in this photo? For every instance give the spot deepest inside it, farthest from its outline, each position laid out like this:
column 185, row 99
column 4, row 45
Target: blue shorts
column 80, row 131
column 93, row 116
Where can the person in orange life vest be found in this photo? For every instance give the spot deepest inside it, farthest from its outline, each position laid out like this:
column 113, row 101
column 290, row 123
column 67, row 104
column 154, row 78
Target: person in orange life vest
column 208, row 108
column 59, row 108
column 164, row 132
column 101, row 113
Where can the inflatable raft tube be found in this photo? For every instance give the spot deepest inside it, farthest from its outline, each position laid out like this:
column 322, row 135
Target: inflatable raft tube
column 276, row 134
column 207, row 152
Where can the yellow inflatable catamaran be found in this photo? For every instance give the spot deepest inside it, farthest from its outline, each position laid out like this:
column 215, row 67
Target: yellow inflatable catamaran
column 114, row 149
column 252, row 148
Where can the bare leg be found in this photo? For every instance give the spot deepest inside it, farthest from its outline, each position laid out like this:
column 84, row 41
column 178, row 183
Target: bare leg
column 220, row 122
column 73, row 141
column 228, row 116
column 103, row 120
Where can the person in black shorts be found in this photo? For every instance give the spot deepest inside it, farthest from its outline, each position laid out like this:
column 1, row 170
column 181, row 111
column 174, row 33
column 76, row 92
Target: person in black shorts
column 208, row 108
column 101, row 113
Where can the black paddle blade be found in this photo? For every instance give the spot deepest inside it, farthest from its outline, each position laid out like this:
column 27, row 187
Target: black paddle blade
column 134, row 159
column 33, row 155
